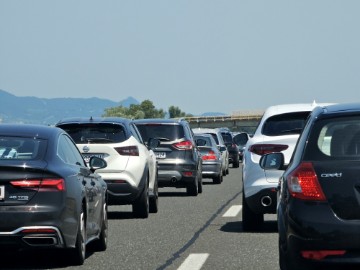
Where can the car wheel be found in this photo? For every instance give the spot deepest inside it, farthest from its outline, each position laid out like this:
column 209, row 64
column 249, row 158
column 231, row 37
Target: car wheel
column 250, row 220
column 77, row 255
column 288, row 260
column 192, row 189
column 101, row 243
column 141, row 205
column 154, row 200
column 218, row 179
column 236, row 164
column 200, row 184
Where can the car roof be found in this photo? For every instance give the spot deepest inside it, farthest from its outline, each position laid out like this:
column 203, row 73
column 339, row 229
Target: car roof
column 205, row 130
column 79, row 120
column 29, row 130
column 344, row 107
column 288, row 108
column 159, row 121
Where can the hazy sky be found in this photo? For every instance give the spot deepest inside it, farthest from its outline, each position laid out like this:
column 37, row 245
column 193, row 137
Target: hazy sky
column 209, row 55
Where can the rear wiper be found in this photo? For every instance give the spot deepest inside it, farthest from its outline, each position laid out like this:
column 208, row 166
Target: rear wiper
column 162, row 139
column 90, row 140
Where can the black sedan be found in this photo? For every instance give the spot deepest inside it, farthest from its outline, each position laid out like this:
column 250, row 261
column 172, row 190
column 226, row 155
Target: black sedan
column 319, row 199
column 49, row 198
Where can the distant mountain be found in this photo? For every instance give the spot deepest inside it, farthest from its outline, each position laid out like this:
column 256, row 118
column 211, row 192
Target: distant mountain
column 35, row 110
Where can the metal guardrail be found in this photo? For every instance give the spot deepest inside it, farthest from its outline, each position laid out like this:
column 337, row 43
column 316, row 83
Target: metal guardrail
column 233, row 117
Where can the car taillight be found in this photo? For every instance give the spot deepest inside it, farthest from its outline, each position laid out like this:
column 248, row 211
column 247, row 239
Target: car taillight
column 40, row 184
column 128, row 150
column 262, row 149
column 303, row 183
column 185, row 145
column 209, row 156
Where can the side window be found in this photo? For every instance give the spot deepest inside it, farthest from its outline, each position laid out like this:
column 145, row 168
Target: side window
column 68, row 152
column 135, row 133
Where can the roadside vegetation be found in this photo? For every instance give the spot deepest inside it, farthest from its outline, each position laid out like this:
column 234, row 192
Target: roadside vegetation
column 144, row 110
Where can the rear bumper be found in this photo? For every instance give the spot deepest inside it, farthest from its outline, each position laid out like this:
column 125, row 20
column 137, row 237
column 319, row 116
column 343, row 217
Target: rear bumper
column 263, row 202
column 314, row 226
column 176, row 175
column 211, row 169
column 31, row 237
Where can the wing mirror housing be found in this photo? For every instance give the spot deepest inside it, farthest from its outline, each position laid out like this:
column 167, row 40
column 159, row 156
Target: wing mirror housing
column 96, row 163
column 272, row 161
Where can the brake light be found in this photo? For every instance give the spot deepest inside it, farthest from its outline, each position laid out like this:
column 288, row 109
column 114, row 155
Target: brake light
column 209, row 156
column 303, row 183
column 262, row 149
column 128, row 150
column 321, row 254
column 40, row 184
column 185, row 145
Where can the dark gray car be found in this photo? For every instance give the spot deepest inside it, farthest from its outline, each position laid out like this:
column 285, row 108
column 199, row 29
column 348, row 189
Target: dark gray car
column 179, row 161
column 49, row 197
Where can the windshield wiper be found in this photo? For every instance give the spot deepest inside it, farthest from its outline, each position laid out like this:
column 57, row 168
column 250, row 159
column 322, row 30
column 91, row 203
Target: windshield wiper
column 294, row 130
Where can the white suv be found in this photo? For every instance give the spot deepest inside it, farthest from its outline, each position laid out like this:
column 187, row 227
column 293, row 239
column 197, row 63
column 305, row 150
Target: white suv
column 131, row 172
column 278, row 131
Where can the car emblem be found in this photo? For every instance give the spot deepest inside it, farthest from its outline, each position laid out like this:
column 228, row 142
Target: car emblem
column 86, row 149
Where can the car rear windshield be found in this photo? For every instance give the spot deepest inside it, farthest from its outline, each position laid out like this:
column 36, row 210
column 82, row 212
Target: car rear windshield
column 161, row 132
column 227, row 137
column 95, row 133
column 22, row 148
column 285, row 124
column 337, row 138
column 207, row 140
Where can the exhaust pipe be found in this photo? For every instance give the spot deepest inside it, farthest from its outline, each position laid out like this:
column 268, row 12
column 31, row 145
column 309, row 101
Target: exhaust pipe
column 266, row 201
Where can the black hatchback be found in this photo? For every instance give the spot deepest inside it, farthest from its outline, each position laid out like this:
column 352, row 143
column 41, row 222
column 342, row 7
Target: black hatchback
column 319, row 198
column 179, row 160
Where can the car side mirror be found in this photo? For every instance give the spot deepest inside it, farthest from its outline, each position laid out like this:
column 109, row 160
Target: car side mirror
column 96, row 163
column 241, row 139
column 272, row 161
column 222, row 148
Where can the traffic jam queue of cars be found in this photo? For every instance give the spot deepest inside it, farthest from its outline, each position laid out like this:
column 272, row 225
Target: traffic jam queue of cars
column 301, row 163
column 75, row 170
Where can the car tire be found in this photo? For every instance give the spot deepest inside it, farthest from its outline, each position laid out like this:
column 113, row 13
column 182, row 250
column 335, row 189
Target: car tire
column 192, row 189
column 154, row 200
column 218, row 179
column 101, row 243
column 200, row 183
column 78, row 254
column 141, row 205
column 236, row 164
column 250, row 220
column 288, row 260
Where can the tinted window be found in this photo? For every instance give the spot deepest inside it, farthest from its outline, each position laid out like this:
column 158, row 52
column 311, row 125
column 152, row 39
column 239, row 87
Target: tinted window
column 206, row 139
column 162, row 132
column 285, row 124
column 68, row 152
column 22, row 148
column 227, row 137
column 95, row 133
column 335, row 139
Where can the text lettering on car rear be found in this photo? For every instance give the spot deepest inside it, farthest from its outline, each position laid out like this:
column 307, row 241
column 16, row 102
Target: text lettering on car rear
column 327, row 175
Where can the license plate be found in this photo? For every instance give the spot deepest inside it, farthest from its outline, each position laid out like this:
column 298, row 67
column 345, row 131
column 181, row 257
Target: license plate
column 160, row 155
column 88, row 156
column 2, row 193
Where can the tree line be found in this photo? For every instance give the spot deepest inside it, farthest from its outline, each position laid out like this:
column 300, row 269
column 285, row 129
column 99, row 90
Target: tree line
column 144, row 110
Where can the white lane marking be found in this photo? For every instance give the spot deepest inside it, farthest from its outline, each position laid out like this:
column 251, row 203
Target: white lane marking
column 194, row 261
column 233, row 211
